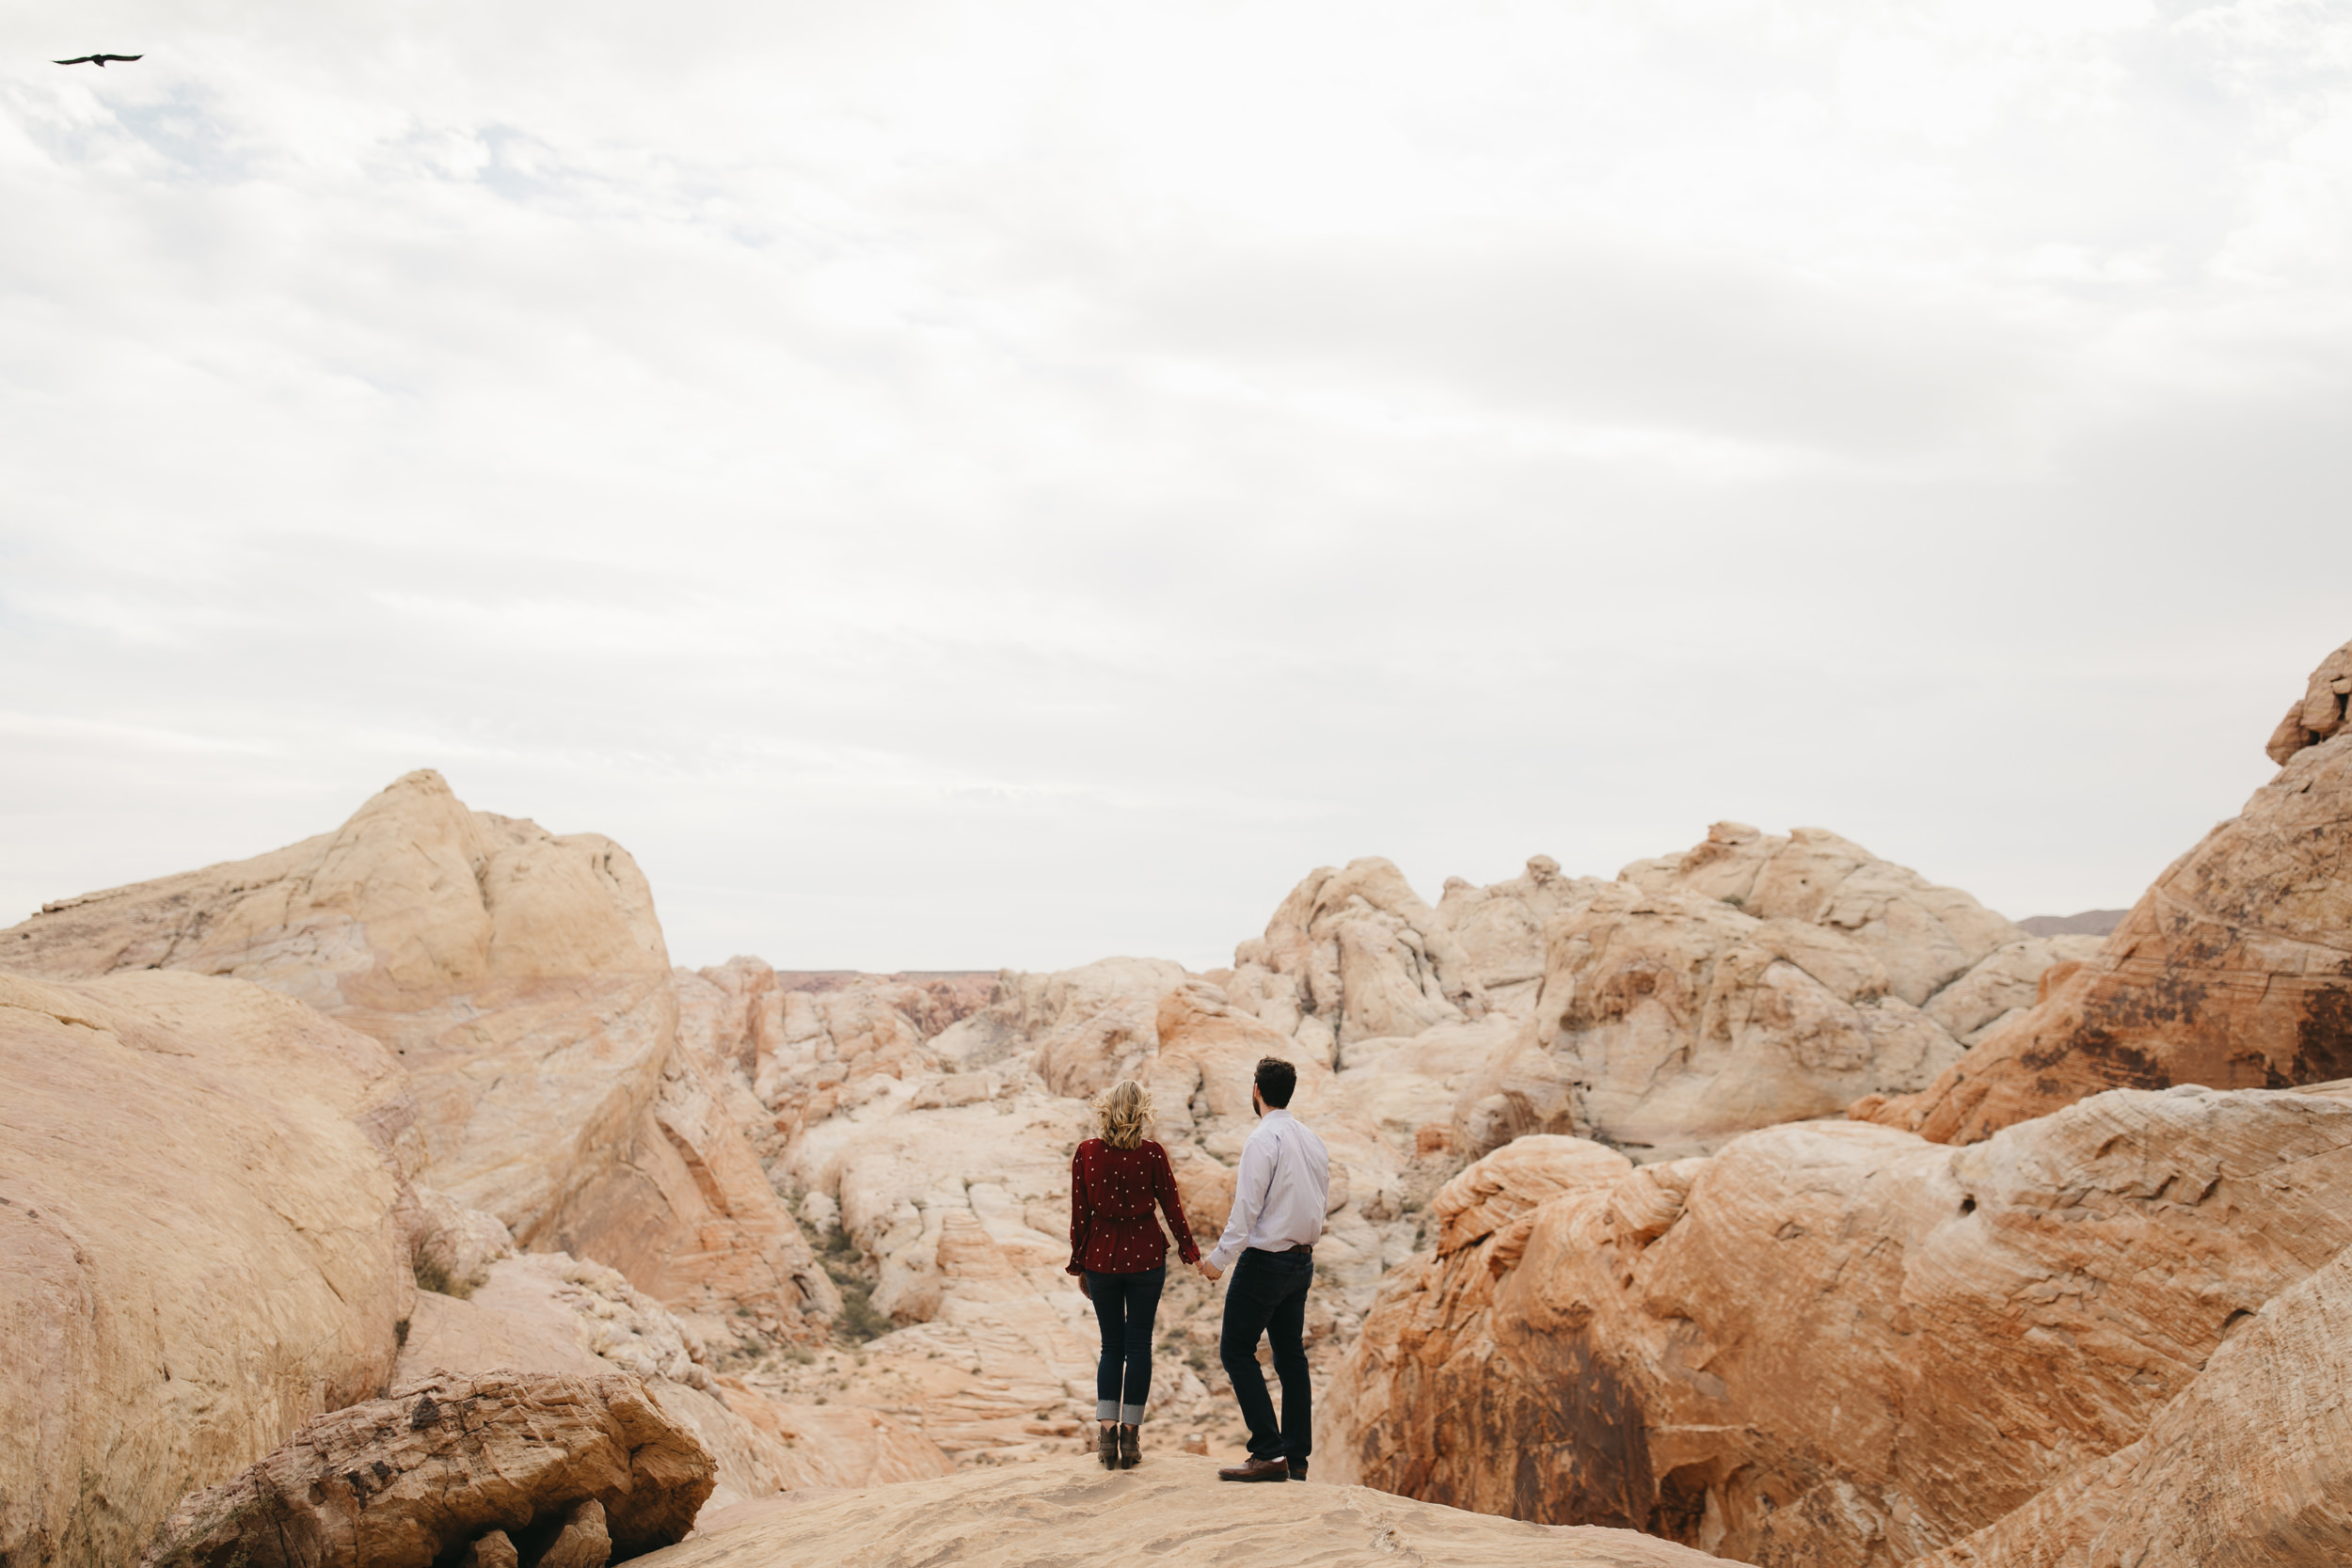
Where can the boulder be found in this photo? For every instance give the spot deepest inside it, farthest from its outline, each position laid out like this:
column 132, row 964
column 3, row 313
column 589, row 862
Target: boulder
column 574, row 1471
column 1836, row 1343
column 204, row 1241
column 1922, row 935
column 2321, row 714
column 1753, row 980
column 1355, row 954
column 1028, row 1011
column 2233, row 971
column 521, row 980
column 1500, row 928
column 1205, row 1061
column 549, row 1312
column 1515, row 1179
column 2249, row 1466
column 451, row 1248
column 1069, row 1512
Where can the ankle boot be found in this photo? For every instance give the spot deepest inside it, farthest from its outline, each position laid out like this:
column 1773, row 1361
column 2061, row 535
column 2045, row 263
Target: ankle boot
column 1129, row 1448
column 1106, row 1447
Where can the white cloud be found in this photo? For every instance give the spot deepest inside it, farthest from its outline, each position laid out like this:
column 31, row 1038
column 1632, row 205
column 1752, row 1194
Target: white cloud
column 958, row 486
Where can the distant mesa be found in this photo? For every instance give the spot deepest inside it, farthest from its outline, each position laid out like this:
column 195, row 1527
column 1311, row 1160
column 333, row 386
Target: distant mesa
column 2090, row 922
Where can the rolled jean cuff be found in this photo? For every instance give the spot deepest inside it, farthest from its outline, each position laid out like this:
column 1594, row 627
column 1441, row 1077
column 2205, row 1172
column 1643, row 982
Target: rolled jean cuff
column 1131, row 1414
column 1107, row 1410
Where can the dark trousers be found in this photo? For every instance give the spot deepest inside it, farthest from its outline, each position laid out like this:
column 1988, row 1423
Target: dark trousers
column 1268, row 1296
column 1124, row 1306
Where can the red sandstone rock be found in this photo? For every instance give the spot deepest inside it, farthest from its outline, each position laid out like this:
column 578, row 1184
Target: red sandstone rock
column 2233, row 971
column 2322, row 713
column 1836, row 1344
column 569, row 1469
column 2250, row 1466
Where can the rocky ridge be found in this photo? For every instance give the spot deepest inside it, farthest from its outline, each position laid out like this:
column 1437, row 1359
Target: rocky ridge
column 2234, row 970
column 202, row 1243
column 521, row 982
column 2027, row 1317
column 818, row 1221
column 1832, row 1343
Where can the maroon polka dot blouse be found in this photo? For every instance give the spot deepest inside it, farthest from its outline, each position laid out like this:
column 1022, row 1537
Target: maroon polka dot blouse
column 1111, row 1193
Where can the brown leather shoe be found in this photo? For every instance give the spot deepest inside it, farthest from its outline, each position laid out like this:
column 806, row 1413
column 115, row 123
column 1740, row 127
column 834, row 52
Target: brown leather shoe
column 1106, row 1446
column 1276, row 1468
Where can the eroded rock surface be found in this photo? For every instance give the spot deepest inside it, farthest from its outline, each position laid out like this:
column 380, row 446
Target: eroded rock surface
column 1354, row 954
column 1069, row 1511
column 1755, row 979
column 2322, row 713
column 2250, row 1466
column 1836, row 1343
column 549, row 1312
column 2233, row 971
column 202, row 1243
column 571, row 1471
column 521, row 981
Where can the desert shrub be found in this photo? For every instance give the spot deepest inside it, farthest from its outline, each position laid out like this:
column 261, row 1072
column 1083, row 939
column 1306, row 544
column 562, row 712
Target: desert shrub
column 859, row 1320
column 433, row 1276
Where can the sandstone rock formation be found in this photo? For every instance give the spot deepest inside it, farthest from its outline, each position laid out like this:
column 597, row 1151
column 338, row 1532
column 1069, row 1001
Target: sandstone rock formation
column 1356, row 955
column 1095, row 1018
column 2250, row 1464
column 202, row 1243
column 935, row 1135
column 549, row 1312
column 920, row 1129
column 798, row 1052
column 1836, row 1343
column 1755, row 979
column 2233, row 971
column 2321, row 714
column 1071, row 1512
column 566, row 1471
column 521, row 980
column 928, row 1141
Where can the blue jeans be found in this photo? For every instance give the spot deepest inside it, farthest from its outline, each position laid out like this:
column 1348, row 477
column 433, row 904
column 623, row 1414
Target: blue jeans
column 1124, row 1306
column 1268, row 1296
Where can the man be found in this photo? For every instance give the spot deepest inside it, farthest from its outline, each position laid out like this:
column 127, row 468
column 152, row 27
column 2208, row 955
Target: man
column 1279, row 1201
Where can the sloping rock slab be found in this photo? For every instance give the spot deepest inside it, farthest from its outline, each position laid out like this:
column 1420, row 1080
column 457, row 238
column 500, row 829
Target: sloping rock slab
column 405, row 1481
column 202, row 1244
column 1071, row 1514
column 2251, row 1465
column 2233, row 971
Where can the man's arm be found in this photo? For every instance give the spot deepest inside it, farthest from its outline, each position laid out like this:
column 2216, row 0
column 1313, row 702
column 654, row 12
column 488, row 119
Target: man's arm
column 1250, row 1191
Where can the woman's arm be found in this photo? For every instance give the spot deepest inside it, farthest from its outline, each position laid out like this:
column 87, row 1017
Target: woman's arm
column 1172, row 1205
column 1078, row 1218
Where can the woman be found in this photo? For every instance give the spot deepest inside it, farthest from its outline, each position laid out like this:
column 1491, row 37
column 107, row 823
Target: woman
column 1121, row 1258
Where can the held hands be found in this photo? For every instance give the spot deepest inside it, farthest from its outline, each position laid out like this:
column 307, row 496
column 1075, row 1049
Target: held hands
column 1209, row 1271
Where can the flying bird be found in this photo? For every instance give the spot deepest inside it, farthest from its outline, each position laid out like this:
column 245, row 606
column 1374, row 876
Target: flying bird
column 98, row 61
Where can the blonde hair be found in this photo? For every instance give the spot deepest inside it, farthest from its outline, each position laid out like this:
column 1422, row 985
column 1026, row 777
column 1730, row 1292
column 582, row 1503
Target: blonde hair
column 1125, row 1110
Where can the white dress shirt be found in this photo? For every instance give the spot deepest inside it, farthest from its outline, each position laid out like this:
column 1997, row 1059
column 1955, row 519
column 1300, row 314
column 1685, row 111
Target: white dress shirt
column 1279, row 1197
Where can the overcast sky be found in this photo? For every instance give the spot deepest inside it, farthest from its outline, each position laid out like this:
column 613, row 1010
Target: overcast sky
column 960, row 486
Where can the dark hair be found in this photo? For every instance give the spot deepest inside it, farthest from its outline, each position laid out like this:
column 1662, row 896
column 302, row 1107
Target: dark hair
column 1276, row 1078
